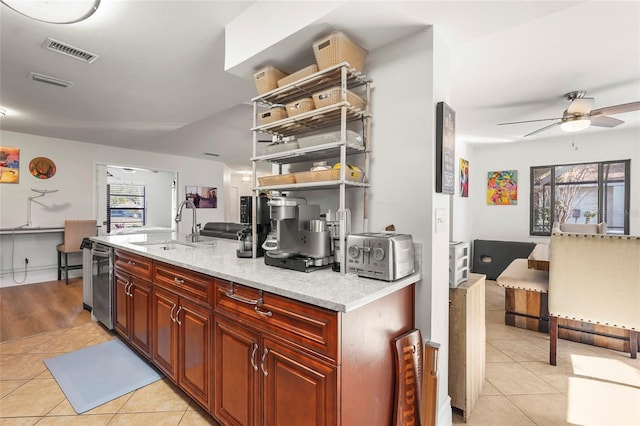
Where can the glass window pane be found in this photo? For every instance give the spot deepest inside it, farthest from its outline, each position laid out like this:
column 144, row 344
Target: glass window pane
column 576, row 193
column 614, row 177
column 541, row 200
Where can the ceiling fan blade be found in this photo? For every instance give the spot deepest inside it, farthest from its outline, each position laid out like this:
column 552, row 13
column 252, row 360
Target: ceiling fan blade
column 580, row 106
column 543, row 129
column 604, row 121
column 529, row 121
column 616, row 109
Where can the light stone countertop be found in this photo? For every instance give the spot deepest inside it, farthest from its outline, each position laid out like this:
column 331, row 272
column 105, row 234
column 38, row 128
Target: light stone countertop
column 217, row 257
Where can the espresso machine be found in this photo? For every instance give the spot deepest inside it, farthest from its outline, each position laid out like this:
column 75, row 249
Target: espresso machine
column 245, row 239
column 299, row 239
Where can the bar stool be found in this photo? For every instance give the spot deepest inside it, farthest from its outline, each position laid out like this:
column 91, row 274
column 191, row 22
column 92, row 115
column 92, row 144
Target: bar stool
column 74, row 232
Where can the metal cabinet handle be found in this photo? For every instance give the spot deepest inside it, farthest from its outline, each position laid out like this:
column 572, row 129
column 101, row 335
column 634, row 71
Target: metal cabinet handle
column 264, row 356
column 127, row 287
column 262, row 313
column 178, row 280
column 171, row 313
column 178, row 315
column 131, row 262
column 253, row 357
column 230, row 294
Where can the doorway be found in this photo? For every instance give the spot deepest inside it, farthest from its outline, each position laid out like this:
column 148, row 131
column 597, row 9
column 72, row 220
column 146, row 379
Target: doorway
column 160, row 195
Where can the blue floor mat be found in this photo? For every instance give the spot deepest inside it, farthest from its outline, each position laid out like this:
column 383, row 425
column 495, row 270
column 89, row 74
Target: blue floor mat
column 97, row 374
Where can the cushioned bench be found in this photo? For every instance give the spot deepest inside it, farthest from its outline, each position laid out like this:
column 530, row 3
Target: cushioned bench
column 526, row 296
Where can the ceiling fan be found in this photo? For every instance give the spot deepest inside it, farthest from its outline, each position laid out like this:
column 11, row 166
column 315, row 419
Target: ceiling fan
column 580, row 115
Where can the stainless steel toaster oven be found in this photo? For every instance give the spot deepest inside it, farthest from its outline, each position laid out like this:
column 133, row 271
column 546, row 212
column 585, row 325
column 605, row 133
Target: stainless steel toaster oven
column 381, row 255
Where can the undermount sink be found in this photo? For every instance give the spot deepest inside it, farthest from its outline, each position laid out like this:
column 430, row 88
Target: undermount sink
column 174, row 244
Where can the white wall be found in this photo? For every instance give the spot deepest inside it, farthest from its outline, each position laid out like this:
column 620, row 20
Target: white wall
column 461, row 212
column 512, row 222
column 75, row 199
column 410, row 77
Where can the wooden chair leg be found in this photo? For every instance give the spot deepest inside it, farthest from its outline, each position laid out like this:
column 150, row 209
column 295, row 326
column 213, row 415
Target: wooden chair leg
column 553, row 339
column 59, row 266
column 633, row 343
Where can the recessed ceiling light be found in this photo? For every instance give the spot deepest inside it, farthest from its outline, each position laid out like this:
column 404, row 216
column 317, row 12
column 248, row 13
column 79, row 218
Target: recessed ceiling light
column 54, row 12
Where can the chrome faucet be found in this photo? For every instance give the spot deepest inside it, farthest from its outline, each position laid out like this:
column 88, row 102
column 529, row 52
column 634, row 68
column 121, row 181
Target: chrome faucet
column 194, row 227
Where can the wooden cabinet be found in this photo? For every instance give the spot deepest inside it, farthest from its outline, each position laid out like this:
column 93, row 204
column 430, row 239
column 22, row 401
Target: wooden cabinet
column 132, row 302
column 256, row 358
column 297, row 388
column 182, row 331
column 262, row 377
column 236, row 373
column 280, row 361
column 467, row 332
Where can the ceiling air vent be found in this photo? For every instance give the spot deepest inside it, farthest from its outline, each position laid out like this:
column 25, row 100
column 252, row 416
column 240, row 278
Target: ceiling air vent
column 66, row 49
column 50, row 80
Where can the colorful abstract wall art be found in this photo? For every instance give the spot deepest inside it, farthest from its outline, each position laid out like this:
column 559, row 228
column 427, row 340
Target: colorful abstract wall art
column 9, row 164
column 464, row 178
column 502, row 188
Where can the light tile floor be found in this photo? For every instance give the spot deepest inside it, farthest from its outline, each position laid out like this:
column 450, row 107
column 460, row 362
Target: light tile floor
column 589, row 386
column 29, row 394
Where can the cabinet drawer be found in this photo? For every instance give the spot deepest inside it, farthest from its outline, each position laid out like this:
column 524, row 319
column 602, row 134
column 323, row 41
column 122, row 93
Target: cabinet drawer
column 184, row 282
column 133, row 264
column 298, row 322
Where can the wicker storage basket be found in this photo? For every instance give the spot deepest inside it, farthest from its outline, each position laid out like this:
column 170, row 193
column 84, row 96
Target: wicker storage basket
column 311, row 69
column 332, row 96
column 354, row 140
column 277, row 179
column 326, row 175
column 300, row 106
column 266, row 78
column 273, row 148
column 274, row 114
column 336, row 48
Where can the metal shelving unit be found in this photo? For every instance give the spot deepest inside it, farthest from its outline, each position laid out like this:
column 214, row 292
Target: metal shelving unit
column 338, row 114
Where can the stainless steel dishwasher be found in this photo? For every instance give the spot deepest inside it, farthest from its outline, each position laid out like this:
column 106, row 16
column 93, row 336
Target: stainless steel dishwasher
column 101, row 284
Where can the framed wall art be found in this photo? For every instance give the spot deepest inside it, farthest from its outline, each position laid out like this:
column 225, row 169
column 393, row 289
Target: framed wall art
column 9, row 164
column 502, row 188
column 204, row 197
column 445, row 148
column 464, row 178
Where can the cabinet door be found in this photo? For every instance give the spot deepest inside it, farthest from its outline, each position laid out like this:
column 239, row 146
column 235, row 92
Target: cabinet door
column 194, row 349
column 297, row 388
column 165, row 332
column 140, row 315
column 121, row 302
column 236, row 374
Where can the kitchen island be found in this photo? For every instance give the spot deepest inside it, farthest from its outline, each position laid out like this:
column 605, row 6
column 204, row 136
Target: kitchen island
column 256, row 344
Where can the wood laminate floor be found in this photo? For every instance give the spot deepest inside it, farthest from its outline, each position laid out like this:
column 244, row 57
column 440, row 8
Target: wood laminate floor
column 31, row 309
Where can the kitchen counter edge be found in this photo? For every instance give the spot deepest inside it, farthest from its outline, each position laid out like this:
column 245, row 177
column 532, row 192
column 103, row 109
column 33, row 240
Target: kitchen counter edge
column 217, row 258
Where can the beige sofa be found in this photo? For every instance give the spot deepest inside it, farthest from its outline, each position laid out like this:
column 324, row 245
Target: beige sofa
column 594, row 283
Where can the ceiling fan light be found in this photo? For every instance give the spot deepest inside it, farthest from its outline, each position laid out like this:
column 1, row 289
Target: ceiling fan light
column 575, row 124
column 54, row 11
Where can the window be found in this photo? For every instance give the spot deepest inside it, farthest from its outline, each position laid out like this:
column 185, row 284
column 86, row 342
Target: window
column 125, row 206
column 580, row 193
